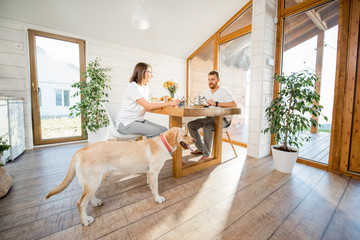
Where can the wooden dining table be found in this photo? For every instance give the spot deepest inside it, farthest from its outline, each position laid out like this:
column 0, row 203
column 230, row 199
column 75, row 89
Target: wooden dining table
column 175, row 120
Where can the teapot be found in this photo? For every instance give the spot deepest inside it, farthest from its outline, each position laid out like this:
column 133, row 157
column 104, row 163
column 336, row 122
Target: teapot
column 199, row 101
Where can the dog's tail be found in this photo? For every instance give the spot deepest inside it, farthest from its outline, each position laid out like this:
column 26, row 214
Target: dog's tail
column 69, row 177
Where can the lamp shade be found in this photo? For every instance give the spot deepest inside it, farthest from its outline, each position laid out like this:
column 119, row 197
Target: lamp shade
column 139, row 19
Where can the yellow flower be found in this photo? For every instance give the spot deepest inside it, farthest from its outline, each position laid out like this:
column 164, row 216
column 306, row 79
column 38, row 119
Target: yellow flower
column 172, row 86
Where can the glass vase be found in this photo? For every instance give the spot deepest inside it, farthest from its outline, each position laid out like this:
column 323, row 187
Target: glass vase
column 172, row 94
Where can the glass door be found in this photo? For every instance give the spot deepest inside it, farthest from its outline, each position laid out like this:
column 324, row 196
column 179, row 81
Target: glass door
column 310, row 43
column 56, row 63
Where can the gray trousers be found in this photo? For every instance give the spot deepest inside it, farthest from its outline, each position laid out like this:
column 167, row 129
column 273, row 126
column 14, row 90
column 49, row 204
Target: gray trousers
column 145, row 128
column 208, row 126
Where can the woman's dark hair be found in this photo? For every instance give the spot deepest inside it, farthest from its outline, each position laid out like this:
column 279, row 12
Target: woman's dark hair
column 139, row 72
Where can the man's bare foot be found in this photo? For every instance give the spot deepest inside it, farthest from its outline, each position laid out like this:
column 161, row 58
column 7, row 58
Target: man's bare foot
column 204, row 158
column 196, row 152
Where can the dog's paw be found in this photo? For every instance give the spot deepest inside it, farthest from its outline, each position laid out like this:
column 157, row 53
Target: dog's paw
column 97, row 203
column 159, row 199
column 88, row 220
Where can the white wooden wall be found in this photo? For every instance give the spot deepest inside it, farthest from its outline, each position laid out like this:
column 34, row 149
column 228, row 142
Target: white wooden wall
column 15, row 71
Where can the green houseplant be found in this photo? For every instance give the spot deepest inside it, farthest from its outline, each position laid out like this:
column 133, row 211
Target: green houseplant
column 3, row 147
column 93, row 92
column 292, row 112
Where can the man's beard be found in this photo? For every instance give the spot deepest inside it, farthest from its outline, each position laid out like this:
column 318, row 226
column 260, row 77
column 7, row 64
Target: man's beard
column 213, row 86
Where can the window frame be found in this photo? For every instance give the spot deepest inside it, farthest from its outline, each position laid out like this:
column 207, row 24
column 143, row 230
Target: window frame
column 219, row 40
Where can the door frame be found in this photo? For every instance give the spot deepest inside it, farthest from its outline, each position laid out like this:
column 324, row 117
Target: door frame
column 352, row 80
column 36, row 123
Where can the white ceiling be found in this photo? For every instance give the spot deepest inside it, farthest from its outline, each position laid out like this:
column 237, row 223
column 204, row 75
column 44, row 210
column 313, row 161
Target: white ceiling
column 177, row 27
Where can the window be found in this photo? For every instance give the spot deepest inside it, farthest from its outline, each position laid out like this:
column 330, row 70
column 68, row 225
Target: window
column 242, row 21
column 227, row 51
column 66, row 98
column 58, row 97
column 62, row 98
column 234, row 65
column 201, row 64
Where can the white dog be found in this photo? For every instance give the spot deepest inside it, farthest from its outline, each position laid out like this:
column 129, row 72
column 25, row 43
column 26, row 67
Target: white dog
column 147, row 156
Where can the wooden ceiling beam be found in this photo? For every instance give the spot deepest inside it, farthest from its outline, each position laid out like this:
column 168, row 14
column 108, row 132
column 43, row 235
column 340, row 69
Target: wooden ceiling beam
column 300, row 30
column 293, row 22
column 302, row 38
column 329, row 10
column 316, row 18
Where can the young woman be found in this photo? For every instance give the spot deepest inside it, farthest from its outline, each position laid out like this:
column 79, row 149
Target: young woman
column 130, row 118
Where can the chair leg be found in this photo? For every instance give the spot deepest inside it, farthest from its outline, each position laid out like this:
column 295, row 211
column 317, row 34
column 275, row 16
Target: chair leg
column 231, row 142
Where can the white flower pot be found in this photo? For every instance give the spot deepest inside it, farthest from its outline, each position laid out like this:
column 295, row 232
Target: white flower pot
column 98, row 136
column 284, row 161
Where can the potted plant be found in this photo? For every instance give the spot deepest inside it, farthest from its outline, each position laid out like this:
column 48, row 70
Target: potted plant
column 294, row 110
column 5, row 178
column 93, row 92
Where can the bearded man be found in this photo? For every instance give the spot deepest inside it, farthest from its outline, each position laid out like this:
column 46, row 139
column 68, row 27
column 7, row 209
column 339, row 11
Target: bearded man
column 216, row 96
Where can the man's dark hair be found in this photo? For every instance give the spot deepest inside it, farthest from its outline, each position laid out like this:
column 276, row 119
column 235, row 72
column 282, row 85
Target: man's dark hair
column 214, row 73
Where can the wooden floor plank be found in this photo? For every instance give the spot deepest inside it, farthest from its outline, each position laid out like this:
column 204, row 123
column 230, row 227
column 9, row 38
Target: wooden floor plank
column 263, row 219
column 345, row 223
column 310, row 218
column 222, row 214
column 325, row 159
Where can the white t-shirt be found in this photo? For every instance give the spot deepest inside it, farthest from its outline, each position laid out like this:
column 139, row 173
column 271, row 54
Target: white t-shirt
column 130, row 110
column 221, row 95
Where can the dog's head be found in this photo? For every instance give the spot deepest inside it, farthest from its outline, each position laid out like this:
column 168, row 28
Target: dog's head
column 176, row 136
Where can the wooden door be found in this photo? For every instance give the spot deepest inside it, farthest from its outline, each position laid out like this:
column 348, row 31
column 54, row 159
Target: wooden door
column 56, row 62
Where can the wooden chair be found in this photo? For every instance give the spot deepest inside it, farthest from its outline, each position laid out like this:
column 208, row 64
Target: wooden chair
column 227, row 134
column 232, row 145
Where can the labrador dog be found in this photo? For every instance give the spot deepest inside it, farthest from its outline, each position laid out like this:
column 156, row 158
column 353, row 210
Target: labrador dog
column 90, row 163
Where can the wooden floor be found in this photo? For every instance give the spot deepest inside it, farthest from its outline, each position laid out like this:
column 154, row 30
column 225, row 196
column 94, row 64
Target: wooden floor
column 243, row 198
column 315, row 150
column 238, row 132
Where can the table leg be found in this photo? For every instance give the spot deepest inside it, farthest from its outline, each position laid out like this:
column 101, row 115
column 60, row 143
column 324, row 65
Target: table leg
column 177, row 155
column 218, row 139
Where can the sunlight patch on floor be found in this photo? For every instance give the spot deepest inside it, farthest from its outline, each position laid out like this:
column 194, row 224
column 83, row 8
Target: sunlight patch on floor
column 215, row 195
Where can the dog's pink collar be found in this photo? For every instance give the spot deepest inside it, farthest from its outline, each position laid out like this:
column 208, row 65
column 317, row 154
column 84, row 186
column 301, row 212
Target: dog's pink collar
column 165, row 143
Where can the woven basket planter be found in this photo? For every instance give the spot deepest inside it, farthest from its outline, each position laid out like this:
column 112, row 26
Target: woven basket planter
column 5, row 180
